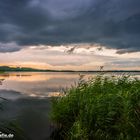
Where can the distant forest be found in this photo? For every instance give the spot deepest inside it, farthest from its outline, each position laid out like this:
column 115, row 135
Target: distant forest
column 26, row 69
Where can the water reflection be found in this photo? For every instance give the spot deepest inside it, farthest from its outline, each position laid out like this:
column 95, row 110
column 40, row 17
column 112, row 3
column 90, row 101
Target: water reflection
column 41, row 84
column 31, row 114
column 1, row 81
column 37, row 84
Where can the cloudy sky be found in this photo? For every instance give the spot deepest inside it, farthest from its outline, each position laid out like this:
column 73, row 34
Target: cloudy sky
column 70, row 34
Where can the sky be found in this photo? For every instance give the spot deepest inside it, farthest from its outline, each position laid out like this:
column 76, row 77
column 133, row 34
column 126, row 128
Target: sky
column 70, row 34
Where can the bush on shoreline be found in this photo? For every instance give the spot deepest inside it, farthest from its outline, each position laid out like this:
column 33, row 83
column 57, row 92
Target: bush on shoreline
column 100, row 108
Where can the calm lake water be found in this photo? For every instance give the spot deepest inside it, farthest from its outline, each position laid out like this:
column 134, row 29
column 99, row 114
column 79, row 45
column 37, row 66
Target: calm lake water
column 36, row 84
column 40, row 84
column 27, row 98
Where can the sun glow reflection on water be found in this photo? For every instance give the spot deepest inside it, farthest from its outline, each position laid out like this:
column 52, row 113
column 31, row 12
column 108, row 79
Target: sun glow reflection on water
column 42, row 84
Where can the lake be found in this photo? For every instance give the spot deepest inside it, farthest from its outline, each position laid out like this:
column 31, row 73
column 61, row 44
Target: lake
column 28, row 98
column 36, row 84
column 40, row 84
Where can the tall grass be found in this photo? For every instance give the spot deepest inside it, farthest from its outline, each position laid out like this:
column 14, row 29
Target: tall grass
column 101, row 108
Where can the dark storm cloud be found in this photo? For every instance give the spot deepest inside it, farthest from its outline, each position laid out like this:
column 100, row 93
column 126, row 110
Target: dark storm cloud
column 113, row 23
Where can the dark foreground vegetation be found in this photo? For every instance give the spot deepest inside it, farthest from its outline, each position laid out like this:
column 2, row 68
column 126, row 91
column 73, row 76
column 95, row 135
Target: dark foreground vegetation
column 99, row 109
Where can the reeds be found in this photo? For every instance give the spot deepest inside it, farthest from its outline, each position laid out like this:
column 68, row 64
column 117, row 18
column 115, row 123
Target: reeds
column 102, row 108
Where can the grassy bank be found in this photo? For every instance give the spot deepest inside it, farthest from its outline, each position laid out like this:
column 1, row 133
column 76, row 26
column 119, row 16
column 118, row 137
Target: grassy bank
column 99, row 109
